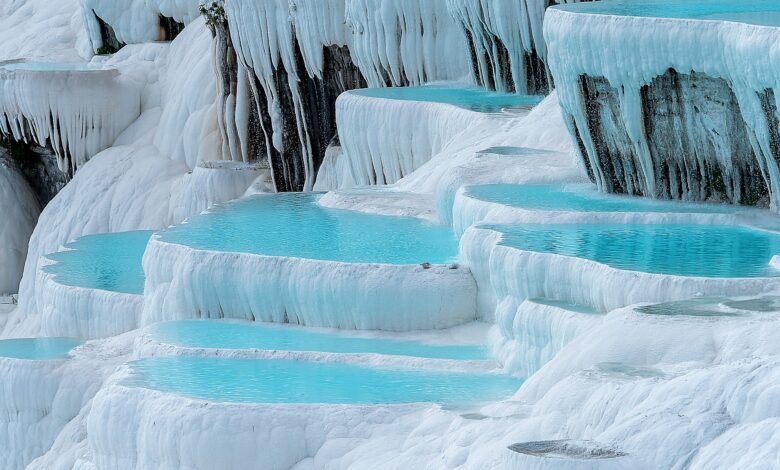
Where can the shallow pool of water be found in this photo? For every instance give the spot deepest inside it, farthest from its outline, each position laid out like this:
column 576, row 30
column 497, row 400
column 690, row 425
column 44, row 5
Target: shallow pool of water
column 110, row 262
column 294, row 225
column 37, row 348
column 244, row 335
column 280, row 381
column 762, row 12
column 581, row 198
column 684, row 250
column 713, row 307
column 474, row 99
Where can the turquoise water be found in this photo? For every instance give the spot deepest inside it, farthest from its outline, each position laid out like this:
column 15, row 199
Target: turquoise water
column 713, row 307
column 581, row 198
column 48, row 67
column 474, row 99
column 577, row 308
column 294, row 225
column 109, row 262
column 242, row 335
column 684, row 250
column 280, row 381
column 764, row 12
column 37, row 348
column 511, row 151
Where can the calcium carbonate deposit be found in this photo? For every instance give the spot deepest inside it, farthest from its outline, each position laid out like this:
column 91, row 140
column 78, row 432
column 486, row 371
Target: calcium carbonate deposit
column 388, row 234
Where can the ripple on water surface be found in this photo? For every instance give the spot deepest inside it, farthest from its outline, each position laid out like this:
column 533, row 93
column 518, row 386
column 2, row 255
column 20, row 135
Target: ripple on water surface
column 301, row 382
column 684, row 250
column 242, row 335
column 294, row 225
column 110, row 262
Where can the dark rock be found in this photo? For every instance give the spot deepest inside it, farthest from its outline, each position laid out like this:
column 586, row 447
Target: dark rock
column 569, row 449
column 39, row 167
column 698, row 144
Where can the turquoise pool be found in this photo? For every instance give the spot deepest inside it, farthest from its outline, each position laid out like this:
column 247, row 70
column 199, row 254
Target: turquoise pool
column 37, row 348
column 294, row 225
column 245, row 335
column 581, row 198
column 684, row 250
column 763, row 12
column 474, row 99
column 110, row 262
column 714, row 307
column 508, row 151
column 280, row 381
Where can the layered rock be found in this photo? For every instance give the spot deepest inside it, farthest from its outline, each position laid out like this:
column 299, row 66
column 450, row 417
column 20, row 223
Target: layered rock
column 283, row 64
column 506, row 43
column 684, row 109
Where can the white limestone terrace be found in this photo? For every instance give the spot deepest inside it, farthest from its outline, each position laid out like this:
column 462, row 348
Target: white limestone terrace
column 471, row 208
column 387, row 134
column 289, row 260
column 281, row 43
column 141, row 181
column 134, row 21
column 65, row 38
column 638, row 49
column 509, row 271
column 89, row 289
column 632, row 381
column 43, row 392
column 99, row 105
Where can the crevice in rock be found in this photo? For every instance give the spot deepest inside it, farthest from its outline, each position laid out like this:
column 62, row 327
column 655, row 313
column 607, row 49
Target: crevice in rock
column 110, row 43
column 169, row 28
column 39, row 167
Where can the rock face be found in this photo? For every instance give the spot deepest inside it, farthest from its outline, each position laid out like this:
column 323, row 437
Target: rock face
column 506, row 44
column 306, row 110
column 38, row 166
column 697, row 140
column 669, row 118
column 283, row 64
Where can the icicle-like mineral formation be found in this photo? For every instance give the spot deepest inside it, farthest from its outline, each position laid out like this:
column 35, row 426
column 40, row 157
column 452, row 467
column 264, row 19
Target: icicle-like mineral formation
column 285, row 63
column 506, row 43
column 682, row 108
column 113, row 23
column 76, row 125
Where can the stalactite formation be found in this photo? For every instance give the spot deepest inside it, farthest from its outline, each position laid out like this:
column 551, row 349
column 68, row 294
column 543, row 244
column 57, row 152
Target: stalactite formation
column 683, row 122
column 301, row 55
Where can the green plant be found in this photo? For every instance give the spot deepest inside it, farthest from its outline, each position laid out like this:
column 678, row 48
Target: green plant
column 214, row 12
column 105, row 50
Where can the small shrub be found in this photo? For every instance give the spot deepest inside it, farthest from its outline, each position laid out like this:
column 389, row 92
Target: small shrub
column 214, row 12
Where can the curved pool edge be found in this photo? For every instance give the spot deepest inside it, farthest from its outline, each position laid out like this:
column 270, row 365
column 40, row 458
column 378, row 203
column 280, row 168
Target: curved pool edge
column 83, row 312
column 147, row 346
column 523, row 274
column 469, row 210
column 186, row 283
column 140, row 428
